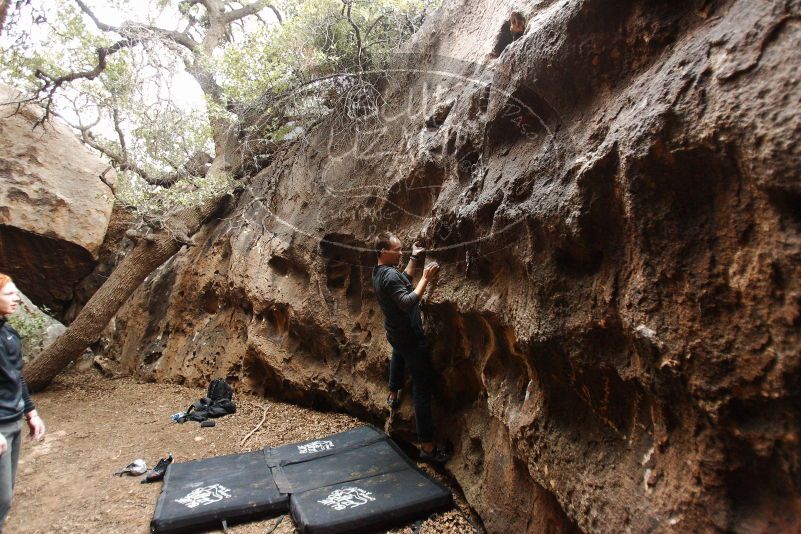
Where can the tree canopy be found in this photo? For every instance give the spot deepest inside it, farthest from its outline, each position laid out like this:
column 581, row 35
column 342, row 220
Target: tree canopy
column 157, row 85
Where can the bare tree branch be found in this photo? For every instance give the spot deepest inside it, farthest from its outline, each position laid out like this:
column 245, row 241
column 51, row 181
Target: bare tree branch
column 196, row 164
column 357, row 32
column 127, row 28
column 250, row 9
column 91, row 15
column 118, row 161
column 137, row 33
column 102, row 177
column 115, row 114
column 50, row 84
column 370, row 29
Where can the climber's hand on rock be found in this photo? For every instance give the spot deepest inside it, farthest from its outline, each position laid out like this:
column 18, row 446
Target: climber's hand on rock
column 417, row 249
column 431, row 271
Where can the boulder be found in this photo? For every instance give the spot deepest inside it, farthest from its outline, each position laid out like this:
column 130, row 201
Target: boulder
column 614, row 202
column 54, row 206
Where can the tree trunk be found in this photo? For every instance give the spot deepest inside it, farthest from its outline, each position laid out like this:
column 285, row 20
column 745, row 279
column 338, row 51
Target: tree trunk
column 87, row 327
column 4, row 6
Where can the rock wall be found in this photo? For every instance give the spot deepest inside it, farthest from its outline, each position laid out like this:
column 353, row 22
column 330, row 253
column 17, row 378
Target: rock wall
column 615, row 205
column 54, row 207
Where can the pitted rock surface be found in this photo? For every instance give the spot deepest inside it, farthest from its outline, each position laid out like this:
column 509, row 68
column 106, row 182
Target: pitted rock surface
column 615, row 205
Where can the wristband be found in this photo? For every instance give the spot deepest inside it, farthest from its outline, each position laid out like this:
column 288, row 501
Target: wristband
column 413, row 257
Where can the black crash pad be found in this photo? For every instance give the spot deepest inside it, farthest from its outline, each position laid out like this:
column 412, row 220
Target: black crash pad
column 354, row 481
column 326, row 446
column 201, row 494
column 352, row 464
column 369, row 504
column 350, row 455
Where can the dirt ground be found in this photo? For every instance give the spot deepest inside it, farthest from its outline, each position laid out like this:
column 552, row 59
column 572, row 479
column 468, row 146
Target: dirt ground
column 96, row 426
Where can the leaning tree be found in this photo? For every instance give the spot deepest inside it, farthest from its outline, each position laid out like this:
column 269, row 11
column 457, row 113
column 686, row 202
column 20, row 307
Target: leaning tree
column 111, row 82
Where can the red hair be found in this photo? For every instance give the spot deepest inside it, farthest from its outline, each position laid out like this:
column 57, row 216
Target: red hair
column 4, row 279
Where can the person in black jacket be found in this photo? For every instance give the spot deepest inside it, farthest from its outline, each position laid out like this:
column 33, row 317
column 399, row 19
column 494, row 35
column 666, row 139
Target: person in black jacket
column 400, row 303
column 15, row 402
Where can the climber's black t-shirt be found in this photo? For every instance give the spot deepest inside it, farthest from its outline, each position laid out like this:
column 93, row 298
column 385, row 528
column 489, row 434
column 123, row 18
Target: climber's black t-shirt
column 400, row 304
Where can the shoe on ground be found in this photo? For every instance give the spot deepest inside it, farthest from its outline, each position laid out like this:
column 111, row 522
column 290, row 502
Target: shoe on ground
column 436, row 456
column 157, row 473
column 135, row 468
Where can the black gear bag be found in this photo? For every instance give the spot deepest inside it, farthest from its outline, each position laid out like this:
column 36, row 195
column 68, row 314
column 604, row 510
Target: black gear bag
column 217, row 403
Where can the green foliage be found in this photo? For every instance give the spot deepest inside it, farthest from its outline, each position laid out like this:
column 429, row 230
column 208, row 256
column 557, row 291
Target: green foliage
column 30, row 51
column 153, row 200
column 31, row 324
column 317, row 40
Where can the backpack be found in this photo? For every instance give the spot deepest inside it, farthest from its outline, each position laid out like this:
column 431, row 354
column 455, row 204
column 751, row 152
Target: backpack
column 217, row 403
column 219, row 389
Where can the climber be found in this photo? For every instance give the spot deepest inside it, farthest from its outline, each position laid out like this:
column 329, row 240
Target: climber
column 511, row 30
column 401, row 305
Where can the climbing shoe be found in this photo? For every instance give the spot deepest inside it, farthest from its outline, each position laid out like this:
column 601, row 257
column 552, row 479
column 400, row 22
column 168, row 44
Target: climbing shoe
column 436, row 456
column 135, row 468
column 157, row 473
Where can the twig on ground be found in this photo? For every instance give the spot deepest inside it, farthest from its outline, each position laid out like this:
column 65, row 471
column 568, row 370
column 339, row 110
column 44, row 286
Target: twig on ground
column 263, row 418
column 275, row 526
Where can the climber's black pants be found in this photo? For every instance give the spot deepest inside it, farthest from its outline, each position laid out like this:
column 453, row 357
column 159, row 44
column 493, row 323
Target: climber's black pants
column 414, row 354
